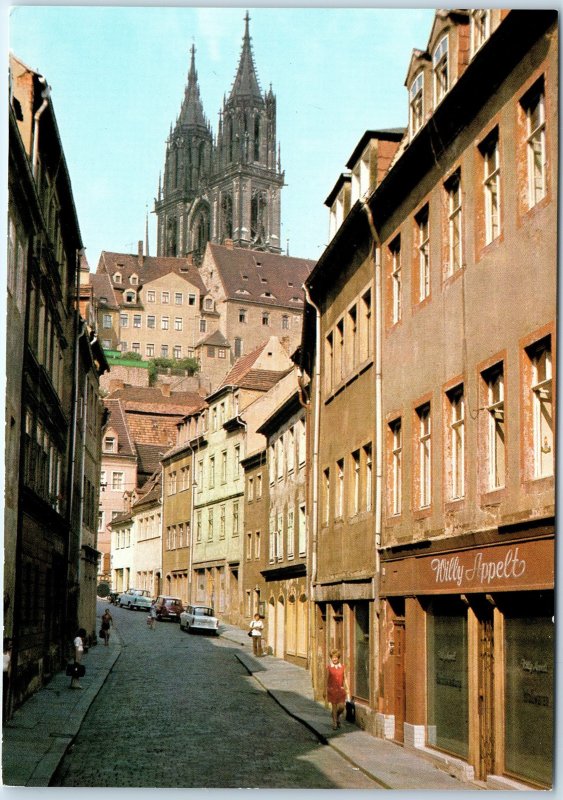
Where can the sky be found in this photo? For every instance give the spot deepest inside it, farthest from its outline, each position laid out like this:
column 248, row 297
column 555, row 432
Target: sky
column 117, row 77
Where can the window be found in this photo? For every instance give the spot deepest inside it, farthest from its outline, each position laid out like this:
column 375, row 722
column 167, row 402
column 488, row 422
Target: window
column 177, row 351
column 453, row 192
column 340, row 364
column 265, row 318
column 416, row 108
column 224, row 466
column 491, row 186
column 395, row 252
column 209, row 302
column 164, row 350
column 191, row 299
column 117, row 481
column 534, row 106
column 326, row 490
column 301, row 442
column 279, row 537
column 211, row 472
column 355, row 469
column 106, row 321
column 221, row 352
column 222, row 521
column 339, row 507
column 353, row 338
column 249, row 545
column 136, row 347
column 238, row 347
column 480, row 28
column 329, row 362
column 235, row 519
column 151, row 321
column 151, row 296
column 272, row 537
column 396, row 466
column 117, row 277
column 368, row 485
column 210, row 524
column 423, row 246
column 494, row 405
column 237, row 461
column 110, row 444
column 285, row 322
column 242, row 315
column 258, row 487
column 165, row 297
column 136, row 320
column 150, row 351
column 178, row 324
column 129, row 297
column 424, row 455
column 365, row 326
column 291, row 450
column 124, row 320
column 440, row 68
column 202, row 325
column 164, row 322
column 178, row 298
column 257, row 545
column 290, row 535
column 250, row 494
column 134, row 280
column 198, row 527
column 456, row 413
column 302, row 534
column 542, row 407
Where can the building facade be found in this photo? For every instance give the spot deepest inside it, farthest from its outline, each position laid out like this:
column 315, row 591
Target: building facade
column 53, row 412
column 226, row 188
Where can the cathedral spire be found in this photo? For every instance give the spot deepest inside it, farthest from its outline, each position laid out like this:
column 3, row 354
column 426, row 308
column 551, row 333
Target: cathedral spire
column 246, row 81
column 192, row 109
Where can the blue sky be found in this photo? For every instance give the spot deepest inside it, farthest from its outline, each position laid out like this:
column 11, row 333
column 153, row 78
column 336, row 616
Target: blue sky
column 118, row 75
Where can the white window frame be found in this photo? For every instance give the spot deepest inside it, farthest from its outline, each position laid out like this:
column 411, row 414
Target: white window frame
column 455, row 224
column 440, row 65
column 496, row 429
column 535, row 144
column 397, row 466
column 491, row 188
column 542, row 409
column 456, row 401
column 416, row 103
column 396, row 279
column 423, row 246
column 424, row 455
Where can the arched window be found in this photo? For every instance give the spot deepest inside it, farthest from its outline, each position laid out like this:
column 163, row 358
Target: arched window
column 257, row 138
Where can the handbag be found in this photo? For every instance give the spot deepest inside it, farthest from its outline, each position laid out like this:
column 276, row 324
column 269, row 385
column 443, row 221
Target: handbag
column 75, row 670
column 350, row 711
column 250, row 633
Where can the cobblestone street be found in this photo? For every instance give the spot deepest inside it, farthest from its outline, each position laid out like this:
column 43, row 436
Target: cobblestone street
column 181, row 711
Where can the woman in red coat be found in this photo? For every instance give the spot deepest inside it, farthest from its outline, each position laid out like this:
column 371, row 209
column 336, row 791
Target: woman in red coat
column 336, row 687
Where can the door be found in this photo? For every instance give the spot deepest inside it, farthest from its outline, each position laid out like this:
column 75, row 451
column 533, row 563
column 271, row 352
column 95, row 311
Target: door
column 399, row 679
column 486, row 692
column 280, row 628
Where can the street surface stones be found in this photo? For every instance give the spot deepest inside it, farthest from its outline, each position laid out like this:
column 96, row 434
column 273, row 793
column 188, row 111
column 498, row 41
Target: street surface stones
column 180, row 711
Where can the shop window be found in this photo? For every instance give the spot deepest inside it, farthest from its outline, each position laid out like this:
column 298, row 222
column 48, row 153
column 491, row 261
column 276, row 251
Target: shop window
column 447, row 690
column 361, row 655
column 529, row 693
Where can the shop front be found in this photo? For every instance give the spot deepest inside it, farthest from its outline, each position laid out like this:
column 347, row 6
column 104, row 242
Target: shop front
column 467, row 658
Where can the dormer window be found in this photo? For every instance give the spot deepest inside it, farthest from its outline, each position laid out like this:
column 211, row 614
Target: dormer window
column 244, row 277
column 480, row 28
column 242, row 291
column 209, row 302
column 117, row 277
column 134, row 280
column 267, row 294
column 110, row 444
column 129, row 297
column 295, row 300
column 416, row 106
column 440, row 66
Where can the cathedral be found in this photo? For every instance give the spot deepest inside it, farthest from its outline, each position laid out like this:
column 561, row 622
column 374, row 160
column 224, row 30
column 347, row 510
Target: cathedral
column 224, row 188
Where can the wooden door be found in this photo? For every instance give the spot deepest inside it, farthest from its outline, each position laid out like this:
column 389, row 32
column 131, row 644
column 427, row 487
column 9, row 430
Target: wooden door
column 399, row 678
column 486, row 693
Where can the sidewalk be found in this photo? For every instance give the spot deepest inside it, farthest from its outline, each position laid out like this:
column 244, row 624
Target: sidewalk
column 52, row 718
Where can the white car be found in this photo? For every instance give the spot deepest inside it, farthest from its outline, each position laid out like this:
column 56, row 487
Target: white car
column 136, row 598
column 200, row 618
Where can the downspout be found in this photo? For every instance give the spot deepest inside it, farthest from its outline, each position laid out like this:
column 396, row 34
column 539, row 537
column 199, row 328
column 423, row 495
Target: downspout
column 315, row 465
column 45, row 94
column 378, row 434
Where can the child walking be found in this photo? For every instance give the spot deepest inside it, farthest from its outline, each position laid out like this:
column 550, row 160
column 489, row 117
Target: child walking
column 336, row 687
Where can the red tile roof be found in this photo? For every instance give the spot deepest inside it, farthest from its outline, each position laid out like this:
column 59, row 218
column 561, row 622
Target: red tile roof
column 152, row 267
column 243, row 375
column 265, row 278
column 118, row 421
column 102, row 288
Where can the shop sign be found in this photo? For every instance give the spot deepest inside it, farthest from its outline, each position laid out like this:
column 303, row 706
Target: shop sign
column 525, row 565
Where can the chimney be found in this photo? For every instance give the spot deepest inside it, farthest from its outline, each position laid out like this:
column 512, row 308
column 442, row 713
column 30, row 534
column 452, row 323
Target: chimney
column 140, row 257
column 229, row 244
column 165, row 389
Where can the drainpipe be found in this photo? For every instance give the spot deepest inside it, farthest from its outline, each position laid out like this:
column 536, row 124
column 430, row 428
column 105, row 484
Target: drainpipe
column 315, row 465
column 45, row 94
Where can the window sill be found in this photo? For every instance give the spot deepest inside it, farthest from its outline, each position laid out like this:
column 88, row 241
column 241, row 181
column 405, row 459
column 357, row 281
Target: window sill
column 422, row 513
column 493, row 497
column 454, row 504
column 536, row 485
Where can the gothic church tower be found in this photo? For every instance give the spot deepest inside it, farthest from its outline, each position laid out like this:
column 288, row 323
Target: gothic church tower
column 228, row 188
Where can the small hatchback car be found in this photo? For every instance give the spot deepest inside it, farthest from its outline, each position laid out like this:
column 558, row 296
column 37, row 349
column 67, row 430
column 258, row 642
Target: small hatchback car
column 167, row 607
column 135, row 598
column 200, row 618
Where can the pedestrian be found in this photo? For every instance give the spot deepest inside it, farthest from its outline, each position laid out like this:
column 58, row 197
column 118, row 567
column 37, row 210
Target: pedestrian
column 151, row 619
column 107, row 622
column 256, row 628
column 78, row 651
column 336, row 687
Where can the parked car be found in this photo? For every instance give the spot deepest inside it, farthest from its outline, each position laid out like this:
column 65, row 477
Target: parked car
column 113, row 598
column 136, row 598
column 199, row 618
column 167, row 607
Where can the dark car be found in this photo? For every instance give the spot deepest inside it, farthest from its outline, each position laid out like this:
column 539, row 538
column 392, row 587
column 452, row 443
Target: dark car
column 167, row 607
